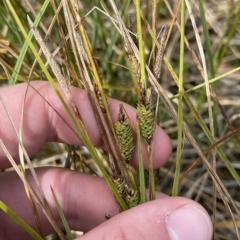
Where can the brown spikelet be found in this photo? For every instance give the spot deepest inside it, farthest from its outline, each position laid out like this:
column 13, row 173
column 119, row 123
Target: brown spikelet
column 135, row 65
column 130, row 26
column 131, row 55
column 120, row 185
column 129, row 195
column 160, row 53
column 133, row 60
column 99, row 97
column 124, row 135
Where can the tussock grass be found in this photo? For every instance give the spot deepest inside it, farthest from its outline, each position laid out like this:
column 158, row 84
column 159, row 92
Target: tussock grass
column 181, row 72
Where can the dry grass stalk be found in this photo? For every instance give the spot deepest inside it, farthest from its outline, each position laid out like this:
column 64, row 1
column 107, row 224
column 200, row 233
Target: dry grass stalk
column 54, row 66
column 98, row 100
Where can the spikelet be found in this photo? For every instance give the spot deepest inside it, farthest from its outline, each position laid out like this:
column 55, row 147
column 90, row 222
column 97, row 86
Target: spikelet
column 129, row 195
column 130, row 26
column 120, row 185
column 146, row 113
column 124, row 135
column 132, row 198
column 159, row 57
column 131, row 55
column 99, row 97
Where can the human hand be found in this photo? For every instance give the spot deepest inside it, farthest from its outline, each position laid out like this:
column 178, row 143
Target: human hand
column 85, row 200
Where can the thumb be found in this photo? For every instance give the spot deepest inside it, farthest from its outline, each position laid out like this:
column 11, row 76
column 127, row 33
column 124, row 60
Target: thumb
column 167, row 218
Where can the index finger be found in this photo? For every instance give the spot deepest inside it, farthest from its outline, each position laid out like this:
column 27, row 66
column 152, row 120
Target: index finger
column 42, row 123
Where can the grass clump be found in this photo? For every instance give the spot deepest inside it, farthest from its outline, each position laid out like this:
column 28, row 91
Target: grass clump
column 167, row 71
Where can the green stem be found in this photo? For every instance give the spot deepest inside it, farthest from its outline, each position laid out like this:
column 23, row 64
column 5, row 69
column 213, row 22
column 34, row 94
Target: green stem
column 180, row 103
column 140, row 42
column 141, row 168
column 152, row 193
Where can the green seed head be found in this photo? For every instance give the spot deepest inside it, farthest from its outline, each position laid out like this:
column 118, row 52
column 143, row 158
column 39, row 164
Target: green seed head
column 124, row 135
column 132, row 198
column 146, row 114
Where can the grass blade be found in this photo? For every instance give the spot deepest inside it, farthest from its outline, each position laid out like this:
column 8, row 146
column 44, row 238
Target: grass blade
column 141, row 175
column 140, row 42
column 19, row 221
column 25, row 45
column 207, row 39
column 180, row 104
column 60, row 211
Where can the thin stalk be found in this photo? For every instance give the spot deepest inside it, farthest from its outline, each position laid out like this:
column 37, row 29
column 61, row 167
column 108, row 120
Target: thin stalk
column 19, row 221
column 202, row 84
column 205, row 128
column 94, row 70
column 231, row 28
column 180, row 103
column 109, row 50
column 140, row 167
column 25, row 45
column 140, row 42
column 103, row 125
column 131, row 177
column 154, row 23
column 207, row 39
column 212, row 118
column 152, row 193
column 79, row 126
column 63, row 218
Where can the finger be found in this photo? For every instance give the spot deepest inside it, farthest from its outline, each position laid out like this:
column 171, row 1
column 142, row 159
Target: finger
column 41, row 123
column 85, row 201
column 169, row 218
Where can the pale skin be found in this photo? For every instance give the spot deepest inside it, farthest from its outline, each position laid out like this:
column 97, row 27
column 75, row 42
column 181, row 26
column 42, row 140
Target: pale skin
column 86, row 200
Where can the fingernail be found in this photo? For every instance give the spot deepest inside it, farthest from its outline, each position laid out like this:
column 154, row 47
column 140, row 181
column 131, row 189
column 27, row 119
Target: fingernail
column 189, row 222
